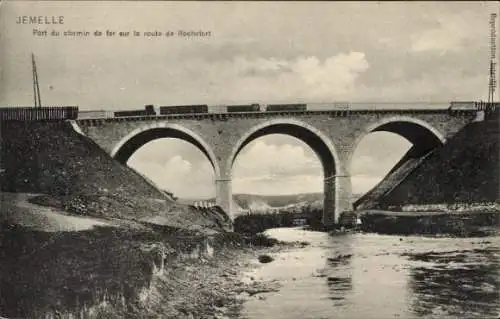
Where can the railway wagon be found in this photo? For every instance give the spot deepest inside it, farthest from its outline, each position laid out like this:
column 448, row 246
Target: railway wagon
column 462, row 105
column 130, row 113
column 184, row 109
column 243, row 108
column 147, row 111
column 150, row 109
column 286, row 107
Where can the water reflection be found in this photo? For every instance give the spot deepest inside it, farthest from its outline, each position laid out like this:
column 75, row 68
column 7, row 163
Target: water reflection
column 339, row 281
column 456, row 283
column 379, row 276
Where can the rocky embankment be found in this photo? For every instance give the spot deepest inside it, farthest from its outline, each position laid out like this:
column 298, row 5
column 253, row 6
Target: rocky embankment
column 454, row 190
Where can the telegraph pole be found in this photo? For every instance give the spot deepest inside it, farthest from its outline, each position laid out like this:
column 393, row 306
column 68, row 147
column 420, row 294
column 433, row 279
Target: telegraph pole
column 36, row 87
column 493, row 48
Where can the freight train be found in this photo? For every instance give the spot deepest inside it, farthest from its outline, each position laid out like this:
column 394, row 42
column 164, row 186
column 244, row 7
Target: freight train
column 200, row 109
column 203, row 108
column 149, row 110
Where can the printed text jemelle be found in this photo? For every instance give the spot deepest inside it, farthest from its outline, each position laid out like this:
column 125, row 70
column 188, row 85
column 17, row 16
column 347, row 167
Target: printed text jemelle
column 40, row 20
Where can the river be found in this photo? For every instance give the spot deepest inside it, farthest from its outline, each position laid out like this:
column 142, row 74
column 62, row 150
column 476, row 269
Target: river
column 359, row 275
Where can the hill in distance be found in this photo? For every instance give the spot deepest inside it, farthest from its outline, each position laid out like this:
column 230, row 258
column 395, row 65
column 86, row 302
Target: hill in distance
column 263, row 203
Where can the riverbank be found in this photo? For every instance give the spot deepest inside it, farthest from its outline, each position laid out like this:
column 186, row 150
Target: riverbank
column 109, row 272
column 55, row 265
column 82, row 235
column 208, row 288
column 59, row 265
column 471, row 223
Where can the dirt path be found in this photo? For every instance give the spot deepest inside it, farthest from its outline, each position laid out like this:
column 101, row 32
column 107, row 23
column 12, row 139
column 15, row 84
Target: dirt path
column 15, row 208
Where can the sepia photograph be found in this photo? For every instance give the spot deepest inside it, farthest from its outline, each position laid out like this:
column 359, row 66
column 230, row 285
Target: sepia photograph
column 249, row 159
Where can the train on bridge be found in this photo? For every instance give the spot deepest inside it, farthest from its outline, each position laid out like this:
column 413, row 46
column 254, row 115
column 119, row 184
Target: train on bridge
column 73, row 113
column 204, row 108
column 149, row 110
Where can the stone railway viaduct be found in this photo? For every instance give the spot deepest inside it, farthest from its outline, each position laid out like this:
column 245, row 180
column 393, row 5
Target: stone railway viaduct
column 332, row 134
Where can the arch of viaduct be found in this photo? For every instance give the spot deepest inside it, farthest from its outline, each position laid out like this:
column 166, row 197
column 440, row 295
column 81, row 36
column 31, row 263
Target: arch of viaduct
column 333, row 136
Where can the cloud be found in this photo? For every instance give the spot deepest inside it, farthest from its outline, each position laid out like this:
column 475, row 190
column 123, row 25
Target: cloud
column 178, row 175
column 255, row 79
column 381, row 51
column 275, row 164
column 162, row 149
column 260, row 159
column 262, row 167
column 262, row 67
column 452, row 33
column 302, row 77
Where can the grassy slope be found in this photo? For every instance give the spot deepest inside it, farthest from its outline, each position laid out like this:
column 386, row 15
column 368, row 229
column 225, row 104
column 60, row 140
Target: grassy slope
column 44, row 273
column 77, row 175
column 464, row 170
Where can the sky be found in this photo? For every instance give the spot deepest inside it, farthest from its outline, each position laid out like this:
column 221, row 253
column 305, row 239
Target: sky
column 256, row 52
